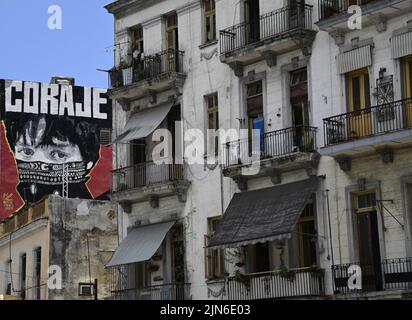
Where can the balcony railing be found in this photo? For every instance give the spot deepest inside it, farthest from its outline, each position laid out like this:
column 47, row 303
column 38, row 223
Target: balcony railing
column 271, row 26
column 271, row 285
column 273, row 144
column 148, row 68
column 389, row 275
column 368, row 122
column 145, row 174
column 161, row 292
column 329, row 8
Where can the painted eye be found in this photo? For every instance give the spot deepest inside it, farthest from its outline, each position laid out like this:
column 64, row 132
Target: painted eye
column 26, row 152
column 58, row 155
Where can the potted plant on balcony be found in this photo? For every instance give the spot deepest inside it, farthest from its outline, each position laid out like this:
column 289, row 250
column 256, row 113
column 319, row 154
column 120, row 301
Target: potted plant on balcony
column 286, row 273
column 242, row 278
column 329, row 8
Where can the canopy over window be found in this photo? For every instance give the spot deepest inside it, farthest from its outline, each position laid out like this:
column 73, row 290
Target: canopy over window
column 142, row 124
column 140, row 244
column 263, row 215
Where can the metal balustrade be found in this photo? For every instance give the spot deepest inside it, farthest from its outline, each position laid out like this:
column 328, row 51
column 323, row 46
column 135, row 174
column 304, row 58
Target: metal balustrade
column 329, row 8
column 271, row 26
column 368, row 122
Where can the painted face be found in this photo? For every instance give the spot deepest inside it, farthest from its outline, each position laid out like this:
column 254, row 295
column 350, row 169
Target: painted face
column 28, row 147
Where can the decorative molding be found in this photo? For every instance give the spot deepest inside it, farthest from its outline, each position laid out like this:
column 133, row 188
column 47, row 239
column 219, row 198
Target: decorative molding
column 126, row 206
column 217, row 294
column 380, row 22
column 124, row 103
column 241, row 183
column 189, row 7
column 275, row 176
column 387, row 154
column 208, row 55
column 154, row 202
column 338, row 35
column 237, row 68
column 270, row 58
column 345, row 163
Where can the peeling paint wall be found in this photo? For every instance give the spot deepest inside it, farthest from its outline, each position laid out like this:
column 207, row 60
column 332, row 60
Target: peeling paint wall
column 73, row 223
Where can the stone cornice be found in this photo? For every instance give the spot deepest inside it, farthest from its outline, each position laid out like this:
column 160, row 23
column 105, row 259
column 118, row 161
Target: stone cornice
column 29, row 228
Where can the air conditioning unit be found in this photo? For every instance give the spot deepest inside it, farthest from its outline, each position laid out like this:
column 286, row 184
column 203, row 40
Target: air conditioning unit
column 86, row 289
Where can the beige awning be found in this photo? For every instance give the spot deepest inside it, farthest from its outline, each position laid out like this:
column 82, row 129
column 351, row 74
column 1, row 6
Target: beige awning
column 143, row 123
column 140, row 244
column 401, row 45
column 354, row 59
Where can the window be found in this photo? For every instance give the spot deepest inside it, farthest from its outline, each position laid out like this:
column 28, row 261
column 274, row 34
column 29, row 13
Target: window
column 214, row 259
column 171, row 35
column 212, row 122
column 37, row 274
column 306, row 234
column 210, row 20
column 137, row 39
column 23, row 265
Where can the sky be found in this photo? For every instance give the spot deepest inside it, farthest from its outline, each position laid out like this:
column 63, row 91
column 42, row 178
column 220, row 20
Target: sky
column 29, row 50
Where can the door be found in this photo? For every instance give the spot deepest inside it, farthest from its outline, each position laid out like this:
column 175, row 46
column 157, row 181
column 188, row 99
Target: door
column 174, row 116
column 254, row 104
column 178, row 263
column 252, row 21
column 138, row 160
column 368, row 242
column 172, row 43
column 300, row 113
column 407, row 88
column 360, row 120
column 296, row 14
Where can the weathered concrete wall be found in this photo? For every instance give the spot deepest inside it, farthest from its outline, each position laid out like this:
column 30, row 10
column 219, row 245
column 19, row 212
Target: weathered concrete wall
column 72, row 222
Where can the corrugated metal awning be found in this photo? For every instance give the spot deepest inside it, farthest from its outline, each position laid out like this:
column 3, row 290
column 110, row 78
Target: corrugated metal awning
column 140, row 244
column 142, row 124
column 263, row 215
column 401, row 45
column 354, row 59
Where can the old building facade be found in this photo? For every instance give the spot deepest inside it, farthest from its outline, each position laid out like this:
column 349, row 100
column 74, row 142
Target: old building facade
column 56, row 248
column 334, row 181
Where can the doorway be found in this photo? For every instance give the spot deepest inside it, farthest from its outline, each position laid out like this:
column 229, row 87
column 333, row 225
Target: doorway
column 300, row 108
column 368, row 241
column 359, row 102
column 171, row 43
column 407, row 88
column 138, row 161
column 252, row 21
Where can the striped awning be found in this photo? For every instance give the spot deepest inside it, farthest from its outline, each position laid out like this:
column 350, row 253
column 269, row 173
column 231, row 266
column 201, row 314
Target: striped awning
column 401, row 45
column 354, row 59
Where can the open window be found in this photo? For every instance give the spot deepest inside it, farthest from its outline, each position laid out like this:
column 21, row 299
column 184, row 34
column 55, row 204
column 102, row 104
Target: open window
column 214, row 258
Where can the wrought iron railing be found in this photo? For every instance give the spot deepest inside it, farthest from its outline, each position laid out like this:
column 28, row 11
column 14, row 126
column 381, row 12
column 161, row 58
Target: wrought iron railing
column 273, row 144
column 270, row 285
column 368, row 122
column 389, row 274
column 271, row 26
column 145, row 174
column 148, row 68
column 329, row 8
column 161, row 292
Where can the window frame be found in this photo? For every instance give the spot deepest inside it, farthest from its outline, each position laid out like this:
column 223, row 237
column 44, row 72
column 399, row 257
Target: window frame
column 213, row 110
column 212, row 273
column 211, row 15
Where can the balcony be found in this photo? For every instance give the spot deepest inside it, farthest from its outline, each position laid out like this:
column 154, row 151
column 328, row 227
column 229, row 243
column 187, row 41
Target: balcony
column 307, row 282
column 282, row 150
column 277, row 32
column 148, row 76
column 368, row 130
column 390, row 275
column 171, row 292
column 333, row 14
column 148, row 181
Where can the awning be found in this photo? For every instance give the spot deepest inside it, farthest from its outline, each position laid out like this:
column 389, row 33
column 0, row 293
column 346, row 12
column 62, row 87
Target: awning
column 401, row 45
column 142, row 124
column 354, row 59
column 263, row 215
column 140, row 244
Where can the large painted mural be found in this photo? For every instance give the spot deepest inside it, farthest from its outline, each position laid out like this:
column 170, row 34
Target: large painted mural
column 50, row 133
